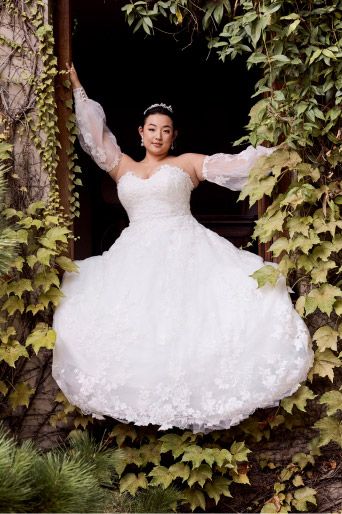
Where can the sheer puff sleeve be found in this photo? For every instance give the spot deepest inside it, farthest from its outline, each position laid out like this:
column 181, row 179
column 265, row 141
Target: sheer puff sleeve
column 231, row 171
column 94, row 136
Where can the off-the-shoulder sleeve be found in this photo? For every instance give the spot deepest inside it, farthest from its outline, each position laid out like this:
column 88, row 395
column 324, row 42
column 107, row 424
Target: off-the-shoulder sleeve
column 232, row 170
column 94, row 136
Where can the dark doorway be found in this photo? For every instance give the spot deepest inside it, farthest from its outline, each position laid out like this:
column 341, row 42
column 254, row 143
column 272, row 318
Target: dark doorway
column 126, row 72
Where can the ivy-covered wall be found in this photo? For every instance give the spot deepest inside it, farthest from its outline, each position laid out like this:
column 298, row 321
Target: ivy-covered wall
column 33, row 216
column 279, row 460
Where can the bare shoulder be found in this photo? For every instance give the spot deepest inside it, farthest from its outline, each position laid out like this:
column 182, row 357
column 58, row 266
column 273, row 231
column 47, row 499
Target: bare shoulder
column 193, row 163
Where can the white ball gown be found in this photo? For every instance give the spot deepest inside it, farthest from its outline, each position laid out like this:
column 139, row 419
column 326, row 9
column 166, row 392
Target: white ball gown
column 167, row 327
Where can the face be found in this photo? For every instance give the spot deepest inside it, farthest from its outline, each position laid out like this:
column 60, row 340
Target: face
column 158, row 133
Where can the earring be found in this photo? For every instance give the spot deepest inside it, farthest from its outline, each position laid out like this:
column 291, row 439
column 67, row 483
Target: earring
column 142, row 141
column 172, row 146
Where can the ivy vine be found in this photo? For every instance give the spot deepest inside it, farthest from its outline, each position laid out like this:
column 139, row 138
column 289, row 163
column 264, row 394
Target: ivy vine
column 297, row 47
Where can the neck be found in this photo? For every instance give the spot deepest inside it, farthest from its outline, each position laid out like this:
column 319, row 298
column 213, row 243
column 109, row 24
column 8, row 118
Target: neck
column 150, row 158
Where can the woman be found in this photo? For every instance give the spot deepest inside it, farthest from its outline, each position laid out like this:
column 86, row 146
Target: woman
column 167, row 326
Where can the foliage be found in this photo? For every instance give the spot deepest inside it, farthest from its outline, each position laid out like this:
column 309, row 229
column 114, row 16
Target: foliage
column 290, row 492
column 36, row 221
column 297, row 48
column 155, row 499
column 7, row 242
column 56, row 481
column 191, row 468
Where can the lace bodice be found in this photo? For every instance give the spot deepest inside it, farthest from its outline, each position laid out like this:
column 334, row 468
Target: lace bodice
column 166, row 193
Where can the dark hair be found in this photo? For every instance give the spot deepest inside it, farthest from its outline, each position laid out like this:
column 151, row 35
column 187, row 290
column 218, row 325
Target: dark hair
column 158, row 109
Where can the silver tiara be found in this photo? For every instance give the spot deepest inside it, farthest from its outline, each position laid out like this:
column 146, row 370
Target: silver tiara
column 168, row 107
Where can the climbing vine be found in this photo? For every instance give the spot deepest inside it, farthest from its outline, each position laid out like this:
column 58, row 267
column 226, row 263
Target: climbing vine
column 297, row 48
column 34, row 216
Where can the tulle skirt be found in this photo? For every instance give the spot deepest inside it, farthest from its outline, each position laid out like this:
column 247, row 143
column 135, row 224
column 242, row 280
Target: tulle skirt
column 167, row 327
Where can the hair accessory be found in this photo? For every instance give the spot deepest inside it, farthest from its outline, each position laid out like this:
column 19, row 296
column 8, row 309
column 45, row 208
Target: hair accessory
column 168, row 107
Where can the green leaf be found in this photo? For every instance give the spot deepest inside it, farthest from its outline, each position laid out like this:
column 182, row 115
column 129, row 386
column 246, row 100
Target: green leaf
column 280, row 58
column 43, row 256
column 53, row 235
column 326, row 337
column 34, row 308
column 123, row 431
column 132, row 482
column 320, row 270
column 193, row 454
column 304, row 169
column 31, row 260
column 268, row 274
column 21, row 395
column 304, row 243
column 299, row 225
column 161, row 476
column 11, row 352
column 18, row 263
column 315, row 55
column 53, row 295
column 128, row 456
column 269, row 508
column 322, row 298
column 41, row 337
column 45, row 279
column 174, row 443
column 35, row 206
column 323, row 251
column 180, row 470
column 338, row 307
column 302, row 497
column 267, row 227
column 240, row 478
column 292, row 27
column 333, row 399
column 280, row 245
column 298, row 399
column 252, row 427
column 298, row 195
column 20, row 286
column 221, row 457
column 150, row 453
column 330, row 429
column 66, row 264
column 324, row 364
column 22, row 235
column 217, row 488
column 305, row 261
column 239, row 451
column 200, row 475
column 195, row 498
column 13, row 304
column 303, row 459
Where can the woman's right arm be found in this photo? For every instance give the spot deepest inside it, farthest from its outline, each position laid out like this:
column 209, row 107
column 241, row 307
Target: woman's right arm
column 95, row 137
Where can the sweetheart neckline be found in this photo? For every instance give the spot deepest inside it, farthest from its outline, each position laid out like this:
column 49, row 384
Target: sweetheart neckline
column 130, row 172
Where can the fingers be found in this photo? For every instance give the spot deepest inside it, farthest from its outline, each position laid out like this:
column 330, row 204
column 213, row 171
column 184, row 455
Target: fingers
column 70, row 67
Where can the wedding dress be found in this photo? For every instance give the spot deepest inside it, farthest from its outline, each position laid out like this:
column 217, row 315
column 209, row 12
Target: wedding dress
column 167, row 327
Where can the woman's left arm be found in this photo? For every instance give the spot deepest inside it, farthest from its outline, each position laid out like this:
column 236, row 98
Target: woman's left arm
column 229, row 170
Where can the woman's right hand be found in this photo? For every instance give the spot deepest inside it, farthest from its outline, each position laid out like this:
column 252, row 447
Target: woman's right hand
column 73, row 76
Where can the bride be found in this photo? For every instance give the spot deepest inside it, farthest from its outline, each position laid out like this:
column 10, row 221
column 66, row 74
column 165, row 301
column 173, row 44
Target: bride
column 168, row 327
